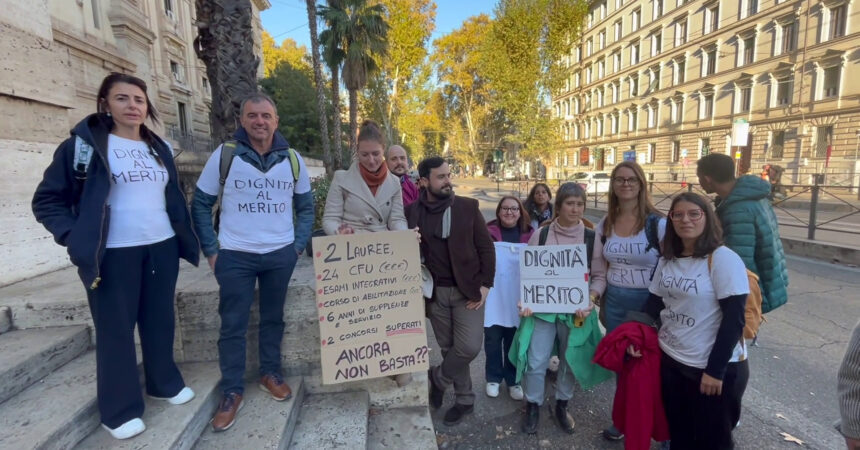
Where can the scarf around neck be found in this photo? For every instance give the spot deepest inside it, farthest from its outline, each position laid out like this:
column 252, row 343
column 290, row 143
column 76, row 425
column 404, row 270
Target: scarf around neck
column 439, row 206
column 374, row 180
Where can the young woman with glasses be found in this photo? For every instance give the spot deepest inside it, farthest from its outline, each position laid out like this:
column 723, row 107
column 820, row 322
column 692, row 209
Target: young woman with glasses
column 699, row 293
column 501, row 315
column 626, row 250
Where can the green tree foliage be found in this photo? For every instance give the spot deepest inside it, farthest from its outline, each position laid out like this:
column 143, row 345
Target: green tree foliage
column 392, row 92
column 362, row 31
column 466, row 104
column 292, row 89
column 522, row 60
column 288, row 52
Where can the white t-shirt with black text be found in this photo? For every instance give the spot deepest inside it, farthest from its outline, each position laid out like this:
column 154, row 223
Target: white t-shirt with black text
column 257, row 207
column 138, row 206
column 692, row 315
column 629, row 265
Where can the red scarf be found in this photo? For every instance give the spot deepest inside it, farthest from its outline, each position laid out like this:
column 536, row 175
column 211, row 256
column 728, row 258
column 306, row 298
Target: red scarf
column 374, row 180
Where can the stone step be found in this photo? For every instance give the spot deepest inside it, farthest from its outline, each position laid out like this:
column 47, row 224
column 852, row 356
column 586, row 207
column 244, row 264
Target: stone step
column 332, row 421
column 27, row 356
column 401, row 428
column 54, row 413
column 59, row 299
column 170, row 426
column 263, row 423
column 5, row 319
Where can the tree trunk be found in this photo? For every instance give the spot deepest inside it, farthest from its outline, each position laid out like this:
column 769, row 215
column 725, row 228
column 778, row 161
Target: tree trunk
column 318, row 81
column 338, row 133
column 395, row 81
column 353, row 123
column 225, row 44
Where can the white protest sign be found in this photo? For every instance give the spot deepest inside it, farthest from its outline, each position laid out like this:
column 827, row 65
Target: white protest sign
column 740, row 133
column 371, row 310
column 554, row 278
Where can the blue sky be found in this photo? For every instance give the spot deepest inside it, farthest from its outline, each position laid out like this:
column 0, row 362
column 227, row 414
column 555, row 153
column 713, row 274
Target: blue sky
column 289, row 18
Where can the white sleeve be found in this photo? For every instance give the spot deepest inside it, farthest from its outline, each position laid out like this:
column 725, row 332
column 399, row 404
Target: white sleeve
column 303, row 184
column 209, row 181
column 656, row 288
column 728, row 273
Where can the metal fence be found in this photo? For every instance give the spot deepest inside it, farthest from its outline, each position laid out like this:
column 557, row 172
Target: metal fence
column 188, row 141
column 814, row 207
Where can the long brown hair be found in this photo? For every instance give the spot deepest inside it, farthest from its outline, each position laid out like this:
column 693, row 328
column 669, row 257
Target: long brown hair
column 524, row 222
column 644, row 204
column 712, row 235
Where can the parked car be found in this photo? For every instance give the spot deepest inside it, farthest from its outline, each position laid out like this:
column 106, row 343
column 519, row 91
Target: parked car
column 592, row 182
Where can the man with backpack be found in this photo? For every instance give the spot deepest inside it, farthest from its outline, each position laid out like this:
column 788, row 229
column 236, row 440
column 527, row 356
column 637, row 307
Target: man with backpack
column 258, row 183
column 750, row 227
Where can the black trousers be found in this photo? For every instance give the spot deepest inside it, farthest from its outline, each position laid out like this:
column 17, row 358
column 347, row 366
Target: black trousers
column 697, row 421
column 137, row 287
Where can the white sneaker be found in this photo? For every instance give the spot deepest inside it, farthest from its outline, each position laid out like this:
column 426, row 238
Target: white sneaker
column 516, row 392
column 492, row 390
column 184, row 396
column 127, row 430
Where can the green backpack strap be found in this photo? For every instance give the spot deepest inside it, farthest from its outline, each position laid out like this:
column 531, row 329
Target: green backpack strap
column 294, row 163
column 228, row 149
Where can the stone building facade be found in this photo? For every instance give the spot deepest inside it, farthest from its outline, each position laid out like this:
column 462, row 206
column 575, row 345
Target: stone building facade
column 663, row 82
column 55, row 54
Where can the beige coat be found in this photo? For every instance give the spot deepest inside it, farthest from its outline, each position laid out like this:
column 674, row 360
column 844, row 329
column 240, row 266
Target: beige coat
column 350, row 201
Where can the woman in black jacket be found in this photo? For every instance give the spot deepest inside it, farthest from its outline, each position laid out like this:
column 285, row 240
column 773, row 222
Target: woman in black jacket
column 111, row 196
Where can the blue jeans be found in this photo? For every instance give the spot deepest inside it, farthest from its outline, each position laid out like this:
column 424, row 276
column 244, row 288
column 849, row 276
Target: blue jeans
column 237, row 274
column 497, row 344
column 542, row 343
column 617, row 301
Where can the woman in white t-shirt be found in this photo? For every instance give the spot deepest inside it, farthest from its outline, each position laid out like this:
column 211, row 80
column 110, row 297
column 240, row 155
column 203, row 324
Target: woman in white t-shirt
column 626, row 250
column 699, row 291
column 112, row 197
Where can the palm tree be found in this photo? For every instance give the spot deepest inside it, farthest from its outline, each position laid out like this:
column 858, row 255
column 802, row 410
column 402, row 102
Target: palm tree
column 331, row 40
column 225, row 44
column 362, row 31
column 318, row 82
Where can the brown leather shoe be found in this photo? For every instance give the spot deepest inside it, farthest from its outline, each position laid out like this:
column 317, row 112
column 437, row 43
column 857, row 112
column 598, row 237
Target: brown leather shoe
column 276, row 387
column 227, row 410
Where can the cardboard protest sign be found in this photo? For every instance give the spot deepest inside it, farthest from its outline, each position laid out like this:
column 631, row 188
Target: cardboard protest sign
column 554, row 278
column 370, row 305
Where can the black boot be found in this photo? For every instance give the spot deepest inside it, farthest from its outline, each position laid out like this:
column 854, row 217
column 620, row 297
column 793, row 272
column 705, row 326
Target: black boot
column 530, row 421
column 565, row 421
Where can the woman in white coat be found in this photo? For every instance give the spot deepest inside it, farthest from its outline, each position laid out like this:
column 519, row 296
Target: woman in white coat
column 367, row 197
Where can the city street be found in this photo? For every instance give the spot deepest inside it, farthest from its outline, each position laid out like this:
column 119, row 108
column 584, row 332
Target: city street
column 791, row 393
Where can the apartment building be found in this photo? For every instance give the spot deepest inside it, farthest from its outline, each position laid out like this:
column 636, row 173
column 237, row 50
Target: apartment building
column 55, row 54
column 662, row 82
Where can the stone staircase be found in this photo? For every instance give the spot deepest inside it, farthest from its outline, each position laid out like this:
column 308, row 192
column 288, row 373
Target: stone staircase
column 48, row 379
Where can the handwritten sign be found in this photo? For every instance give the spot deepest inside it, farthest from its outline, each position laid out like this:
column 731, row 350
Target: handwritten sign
column 371, row 310
column 554, row 278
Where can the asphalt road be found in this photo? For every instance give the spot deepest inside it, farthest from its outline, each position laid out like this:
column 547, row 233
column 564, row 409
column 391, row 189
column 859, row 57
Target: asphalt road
column 792, row 386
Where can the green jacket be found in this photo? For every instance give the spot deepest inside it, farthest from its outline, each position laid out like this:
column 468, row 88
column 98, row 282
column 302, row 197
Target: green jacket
column 750, row 228
column 581, row 344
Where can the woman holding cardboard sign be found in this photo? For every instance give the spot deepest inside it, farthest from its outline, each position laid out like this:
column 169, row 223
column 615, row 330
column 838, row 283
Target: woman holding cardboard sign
column 578, row 334
column 367, row 197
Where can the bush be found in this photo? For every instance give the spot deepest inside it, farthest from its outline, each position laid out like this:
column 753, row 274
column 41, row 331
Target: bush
column 319, row 186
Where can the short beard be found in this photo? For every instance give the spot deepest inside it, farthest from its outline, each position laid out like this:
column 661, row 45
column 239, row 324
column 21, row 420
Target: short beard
column 441, row 195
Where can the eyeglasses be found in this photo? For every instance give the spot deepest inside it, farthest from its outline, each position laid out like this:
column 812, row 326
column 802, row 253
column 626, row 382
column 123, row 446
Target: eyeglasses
column 693, row 214
column 511, row 209
column 622, row 180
